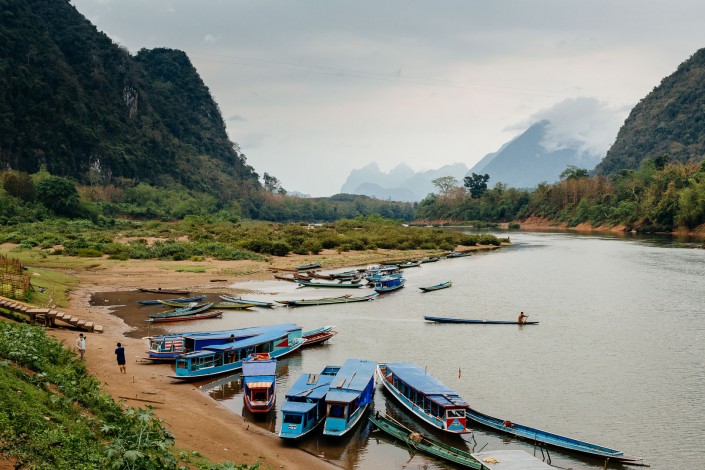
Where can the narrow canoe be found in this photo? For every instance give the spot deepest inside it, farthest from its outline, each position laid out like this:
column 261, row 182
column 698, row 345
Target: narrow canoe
column 424, row 443
column 339, row 285
column 183, row 312
column 318, row 335
column 182, row 300
column 457, row 254
column 322, row 300
column 239, row 300
column 233, row 306
column 477, row 322
column 331, row 301
column 432, row 259
column 304, row 267
column 537, row 435
column 196, row 316
column 442, row 285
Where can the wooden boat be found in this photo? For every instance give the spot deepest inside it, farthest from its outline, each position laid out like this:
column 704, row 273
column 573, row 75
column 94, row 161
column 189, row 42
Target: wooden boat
column 410, row 264
column 423, row 443
column 389, row 284
column 227, row 358
column 159, row 290
column 457, row 254
column 304, row 407
column 182, row 300
column 170, row 303
column 424, row 396
column 239, row 300
column 442, row 285
column 172, row 346
column 349, row 396
column 339, row 285
column 331, row 301
column 182, row 312
column 319, row 335
column 305, row 267
column 324, row 299
column 431, row 259
column 232, row 306
column 517, row 459
column 290, row 278
column 189, row 317
column 259, row 380
column 536, row 435
column 477, row 322
column 375, row 273
column 181, row 307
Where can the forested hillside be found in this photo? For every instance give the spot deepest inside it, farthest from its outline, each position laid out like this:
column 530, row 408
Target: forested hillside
column 669, row 121
column 75, row 102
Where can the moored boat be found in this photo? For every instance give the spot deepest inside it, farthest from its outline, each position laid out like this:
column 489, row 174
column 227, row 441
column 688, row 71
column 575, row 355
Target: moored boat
column 239, row 300
column 182, row 300
column 349, row 396
column 430, row 259
column 233, row 306
column 536, row 435
column 304, row 407
column 339, row 285
column 224, row 358
column 424, row 396
column 423, row 443
column 259, row 380
column 304, row 267
column 169, row 347
column 318, row 335
column 389, row 284
column 331, row 301
column 457, row 254
column 442, row 285
column 188, row 317
column 476, row 322
column 182, row 312
column 410, row 264
column 324, row 299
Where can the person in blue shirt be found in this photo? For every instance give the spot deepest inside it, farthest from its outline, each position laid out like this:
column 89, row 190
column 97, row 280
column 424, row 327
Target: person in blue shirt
column 120, row 353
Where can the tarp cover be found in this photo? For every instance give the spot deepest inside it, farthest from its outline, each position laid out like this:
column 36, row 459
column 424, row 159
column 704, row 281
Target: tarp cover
column 254, row 368
column 318, row 389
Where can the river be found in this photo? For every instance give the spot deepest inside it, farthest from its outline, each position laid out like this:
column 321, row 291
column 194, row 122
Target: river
column 618, row 358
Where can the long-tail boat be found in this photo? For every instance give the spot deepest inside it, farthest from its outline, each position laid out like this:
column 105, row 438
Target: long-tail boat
column 424, row 396
column 349, row 396
column 225, row 358
column 305, row 267
column 339, row 285
column 304, row 407
column 477, row 322
column 389, row 284
column 233, row 306
column 182, row 300
column 442, row 285
column 331, row 301
column 423, row 443
column 239, row 300
column 259, row 380
column 536, row 435
column 189, row 317
column 318, row 335
column 324, row 299
column 182, row 312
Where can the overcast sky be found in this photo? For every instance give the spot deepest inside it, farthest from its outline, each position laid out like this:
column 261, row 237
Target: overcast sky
column 313, row 89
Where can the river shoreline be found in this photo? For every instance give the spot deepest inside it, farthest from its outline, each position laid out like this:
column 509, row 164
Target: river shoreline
column 198, row 422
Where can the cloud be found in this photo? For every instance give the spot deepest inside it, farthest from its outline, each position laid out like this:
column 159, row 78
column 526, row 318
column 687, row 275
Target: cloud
column 210, row 39
column 236, row 118
column 584, row 122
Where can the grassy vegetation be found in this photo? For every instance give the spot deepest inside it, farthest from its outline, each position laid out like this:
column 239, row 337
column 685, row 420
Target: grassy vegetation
column 53, row 414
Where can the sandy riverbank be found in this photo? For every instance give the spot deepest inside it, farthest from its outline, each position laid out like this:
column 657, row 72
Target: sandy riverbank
column 198, row 422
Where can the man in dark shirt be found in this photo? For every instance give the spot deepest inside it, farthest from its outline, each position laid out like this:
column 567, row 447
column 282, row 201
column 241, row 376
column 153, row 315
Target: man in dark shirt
column 120, row 353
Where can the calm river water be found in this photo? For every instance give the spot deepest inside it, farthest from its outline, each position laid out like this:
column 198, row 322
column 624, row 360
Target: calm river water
column 618, row 358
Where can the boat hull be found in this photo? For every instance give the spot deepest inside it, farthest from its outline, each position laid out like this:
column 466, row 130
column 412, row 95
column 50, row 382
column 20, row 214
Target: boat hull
column 476, row 322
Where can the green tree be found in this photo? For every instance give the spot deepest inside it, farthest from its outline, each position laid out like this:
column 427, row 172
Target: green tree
column 444, row 184
column 476, row 184
column 19, row 184
column 59, row 195
column 572, row 172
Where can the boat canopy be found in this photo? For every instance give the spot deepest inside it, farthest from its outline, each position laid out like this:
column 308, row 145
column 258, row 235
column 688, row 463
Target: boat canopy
column 259, row 368
column 354, row 375
column 259, row 384
column 417, row 378
column 241, row 344
column 242, row 332
column 316, row 390
column 297, row 407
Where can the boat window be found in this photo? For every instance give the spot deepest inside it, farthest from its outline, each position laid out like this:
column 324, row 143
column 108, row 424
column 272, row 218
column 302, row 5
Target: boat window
column 455, row 414
column 182, row 364
column 336, row 411
column 292, row 419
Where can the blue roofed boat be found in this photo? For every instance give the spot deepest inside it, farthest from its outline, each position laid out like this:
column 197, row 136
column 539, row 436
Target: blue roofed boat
column 373, row 274
column 169, row 347
column 349, row 395
column 228, row 357
column 424, row 395
column 536, row 435
column 305, row 406
column 259, row 380
column 389, row 284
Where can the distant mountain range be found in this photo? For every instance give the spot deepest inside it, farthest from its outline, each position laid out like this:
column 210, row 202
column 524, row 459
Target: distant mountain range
column 523, row 162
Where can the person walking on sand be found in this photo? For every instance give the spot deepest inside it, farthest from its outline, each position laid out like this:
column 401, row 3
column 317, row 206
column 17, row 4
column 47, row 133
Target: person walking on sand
column 81, row 345
column 522, row 318
column 120, row 353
